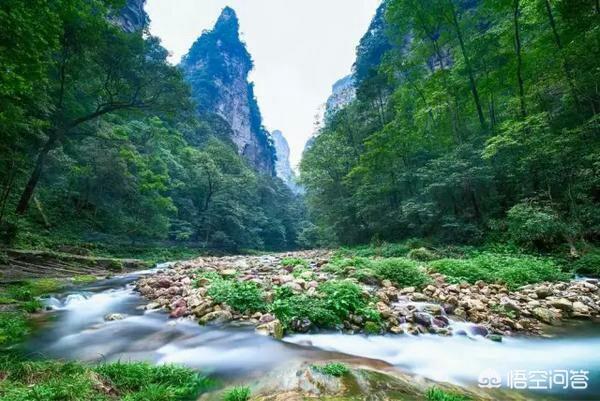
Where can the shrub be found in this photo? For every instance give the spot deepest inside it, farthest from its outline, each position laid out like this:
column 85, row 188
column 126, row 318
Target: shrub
column 237, row 394
column 343, row 297
column 373, row 328
column 115, row 265
column 335, row 369
column 535, row 227
column 394, row 250
column 367, row 276
column 299, row 271
column 512, row 270
column 288, row 306
column 435, row 394
column 588, row 264
column 32, row 306
column 292, row 262
column 400, row 271
column 341, row 266
column 242, row 296
column 421, row 254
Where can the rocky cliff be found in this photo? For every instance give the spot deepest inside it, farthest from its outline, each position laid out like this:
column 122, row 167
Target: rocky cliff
column 283, row 169
column 217, row 67
column 372, row 46
column 343, row 93
column 132, row 16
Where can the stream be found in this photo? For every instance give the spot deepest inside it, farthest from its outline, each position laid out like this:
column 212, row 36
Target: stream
column 75, row 328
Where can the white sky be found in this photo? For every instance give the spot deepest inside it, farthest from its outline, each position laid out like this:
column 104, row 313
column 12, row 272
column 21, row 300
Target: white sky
column 300, row 48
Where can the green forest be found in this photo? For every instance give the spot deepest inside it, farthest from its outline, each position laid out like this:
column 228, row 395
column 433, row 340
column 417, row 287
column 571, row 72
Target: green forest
column 474, row 122
column 100, row 143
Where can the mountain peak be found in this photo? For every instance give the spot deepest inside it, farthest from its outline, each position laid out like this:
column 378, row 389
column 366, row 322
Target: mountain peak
column 228, row 21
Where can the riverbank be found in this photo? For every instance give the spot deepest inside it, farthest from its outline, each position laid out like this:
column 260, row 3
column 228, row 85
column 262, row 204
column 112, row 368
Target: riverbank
column 307, row 291
column 108, row 321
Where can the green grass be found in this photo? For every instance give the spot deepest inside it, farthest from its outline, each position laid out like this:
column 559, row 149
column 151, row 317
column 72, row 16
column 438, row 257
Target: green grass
column 335, row 369
column 13, row 327
column 237, row 394
column 512, row 270
column 84, row 279
column 385, row 250
column 71, row 381
column 435, row 394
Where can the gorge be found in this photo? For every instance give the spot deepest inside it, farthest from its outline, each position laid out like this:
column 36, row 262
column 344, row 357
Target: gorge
column 438, row 240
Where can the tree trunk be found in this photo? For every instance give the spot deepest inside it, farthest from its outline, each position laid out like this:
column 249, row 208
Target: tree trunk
column 36, row 174
column 463, row 49
column 516, row 14
column 565, row 64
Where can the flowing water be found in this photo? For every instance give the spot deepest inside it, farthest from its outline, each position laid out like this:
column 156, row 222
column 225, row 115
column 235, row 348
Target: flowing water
column 76, row 329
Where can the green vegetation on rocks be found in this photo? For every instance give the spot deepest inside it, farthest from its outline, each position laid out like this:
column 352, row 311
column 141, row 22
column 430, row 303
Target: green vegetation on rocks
column 436, row 394
column 335, row 369
column 512, row 270
column 242, row 296
column 237, row 394
column 334, row 302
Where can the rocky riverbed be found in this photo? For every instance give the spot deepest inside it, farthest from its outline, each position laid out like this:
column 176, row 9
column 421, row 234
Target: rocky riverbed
column 438, row 308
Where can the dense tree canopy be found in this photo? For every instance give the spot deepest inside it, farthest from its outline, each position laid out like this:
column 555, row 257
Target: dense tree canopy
column 100, row 141
column 482, row 118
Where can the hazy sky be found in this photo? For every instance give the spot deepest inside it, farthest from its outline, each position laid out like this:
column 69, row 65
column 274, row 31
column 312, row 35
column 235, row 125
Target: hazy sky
column 300, row 48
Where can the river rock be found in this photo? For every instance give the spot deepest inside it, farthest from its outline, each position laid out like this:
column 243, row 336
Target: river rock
column 114, row 316
column 273, row 328
column 478, row 330
column 580, row 309
column 543, row 292
column 562, row 304
column 266, row 318
column 422, row 318
column 216, row 317
column 419, row 297
column 546, row 315
column 301, row 325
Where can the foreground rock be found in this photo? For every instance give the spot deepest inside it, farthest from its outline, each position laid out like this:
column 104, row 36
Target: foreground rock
column 491, row 308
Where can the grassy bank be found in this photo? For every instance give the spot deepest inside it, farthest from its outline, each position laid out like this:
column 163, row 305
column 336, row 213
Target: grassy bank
column 25, row 380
